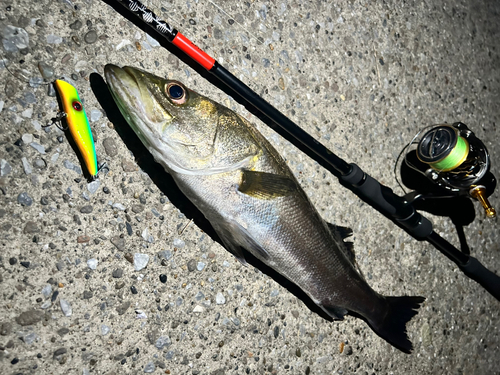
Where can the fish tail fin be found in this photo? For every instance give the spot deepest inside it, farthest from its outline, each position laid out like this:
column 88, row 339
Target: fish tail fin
column 393, row 327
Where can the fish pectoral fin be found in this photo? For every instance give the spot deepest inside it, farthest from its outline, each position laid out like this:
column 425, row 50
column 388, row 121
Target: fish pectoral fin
column 265, row 185
column 336, row 312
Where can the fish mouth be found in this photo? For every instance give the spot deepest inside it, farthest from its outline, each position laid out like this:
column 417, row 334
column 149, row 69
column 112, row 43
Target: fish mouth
column 121, row 79
column 133, row 91
column 116, row 76
column 126, row 84
column 138, row 90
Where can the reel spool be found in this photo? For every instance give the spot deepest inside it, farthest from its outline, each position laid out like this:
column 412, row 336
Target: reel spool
column 453, row 159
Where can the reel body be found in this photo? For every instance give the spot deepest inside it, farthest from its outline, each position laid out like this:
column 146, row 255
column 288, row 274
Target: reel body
column 445, row 161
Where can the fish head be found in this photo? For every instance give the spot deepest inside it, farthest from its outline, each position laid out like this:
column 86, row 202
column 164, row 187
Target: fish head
column 176, row 124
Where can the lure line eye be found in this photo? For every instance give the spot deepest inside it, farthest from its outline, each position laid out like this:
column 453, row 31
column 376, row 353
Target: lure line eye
column 77, row 106
column 176, row 93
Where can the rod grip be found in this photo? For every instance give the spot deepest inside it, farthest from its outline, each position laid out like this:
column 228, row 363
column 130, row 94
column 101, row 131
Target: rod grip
column 386, row 202
column 479, row 273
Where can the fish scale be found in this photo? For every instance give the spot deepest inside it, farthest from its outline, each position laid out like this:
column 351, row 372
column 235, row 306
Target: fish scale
column 249, row 195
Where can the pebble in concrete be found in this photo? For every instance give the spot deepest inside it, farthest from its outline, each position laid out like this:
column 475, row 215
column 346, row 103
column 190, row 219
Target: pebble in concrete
column 140, row 261
column 24, row 199
column 105, row 329
column 150, row 367
column 65, row 307
column 29, row 317
column 92, row 263
column 220, row 299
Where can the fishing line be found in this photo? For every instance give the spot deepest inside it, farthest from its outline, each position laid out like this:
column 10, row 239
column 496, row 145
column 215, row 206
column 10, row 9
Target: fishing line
column 18, row 74
column 259, row 41
column 396, row 166
column 443, row 159
column 24, row 79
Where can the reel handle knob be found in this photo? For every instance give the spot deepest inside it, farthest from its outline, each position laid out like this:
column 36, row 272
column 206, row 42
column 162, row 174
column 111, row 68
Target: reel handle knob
column 479, row 192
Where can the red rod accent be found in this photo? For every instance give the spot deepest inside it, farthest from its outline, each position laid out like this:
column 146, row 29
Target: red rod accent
column 193, row 51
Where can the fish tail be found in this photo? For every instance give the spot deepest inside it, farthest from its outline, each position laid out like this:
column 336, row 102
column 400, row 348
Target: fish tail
column 393, row 327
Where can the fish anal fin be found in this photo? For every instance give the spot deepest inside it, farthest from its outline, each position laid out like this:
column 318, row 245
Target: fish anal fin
column 235, row 250
column 335, row 312
column 229, row 243
column 235, row 237
column 265, row 185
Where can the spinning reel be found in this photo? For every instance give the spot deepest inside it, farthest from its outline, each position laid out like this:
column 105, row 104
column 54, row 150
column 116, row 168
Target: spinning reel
column 448, row 161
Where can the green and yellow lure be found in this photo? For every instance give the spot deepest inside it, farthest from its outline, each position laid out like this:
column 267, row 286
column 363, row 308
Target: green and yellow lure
column 78, row 125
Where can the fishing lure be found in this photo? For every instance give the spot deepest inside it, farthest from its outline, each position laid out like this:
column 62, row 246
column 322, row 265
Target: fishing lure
column 76, row 119
column 78, row 124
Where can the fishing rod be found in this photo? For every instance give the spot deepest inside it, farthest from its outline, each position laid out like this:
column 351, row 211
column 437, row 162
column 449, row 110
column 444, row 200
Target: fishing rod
column 396, row 208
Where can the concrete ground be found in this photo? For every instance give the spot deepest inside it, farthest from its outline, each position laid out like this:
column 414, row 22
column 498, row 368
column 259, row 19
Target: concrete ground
column 361, row 76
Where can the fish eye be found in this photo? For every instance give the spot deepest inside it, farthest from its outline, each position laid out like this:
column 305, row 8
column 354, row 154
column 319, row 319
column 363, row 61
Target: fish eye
column 176, row 93
column 77, row 106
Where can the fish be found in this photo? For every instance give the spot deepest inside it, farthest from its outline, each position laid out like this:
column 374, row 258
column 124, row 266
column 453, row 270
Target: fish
column 245, row 189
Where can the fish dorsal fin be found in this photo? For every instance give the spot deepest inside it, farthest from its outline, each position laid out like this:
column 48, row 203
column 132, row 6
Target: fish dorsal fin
column 348, row 247
column 265, row 185
column 344, row 232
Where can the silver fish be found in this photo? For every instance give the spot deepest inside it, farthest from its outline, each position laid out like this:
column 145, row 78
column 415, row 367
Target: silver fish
column 250, row 196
